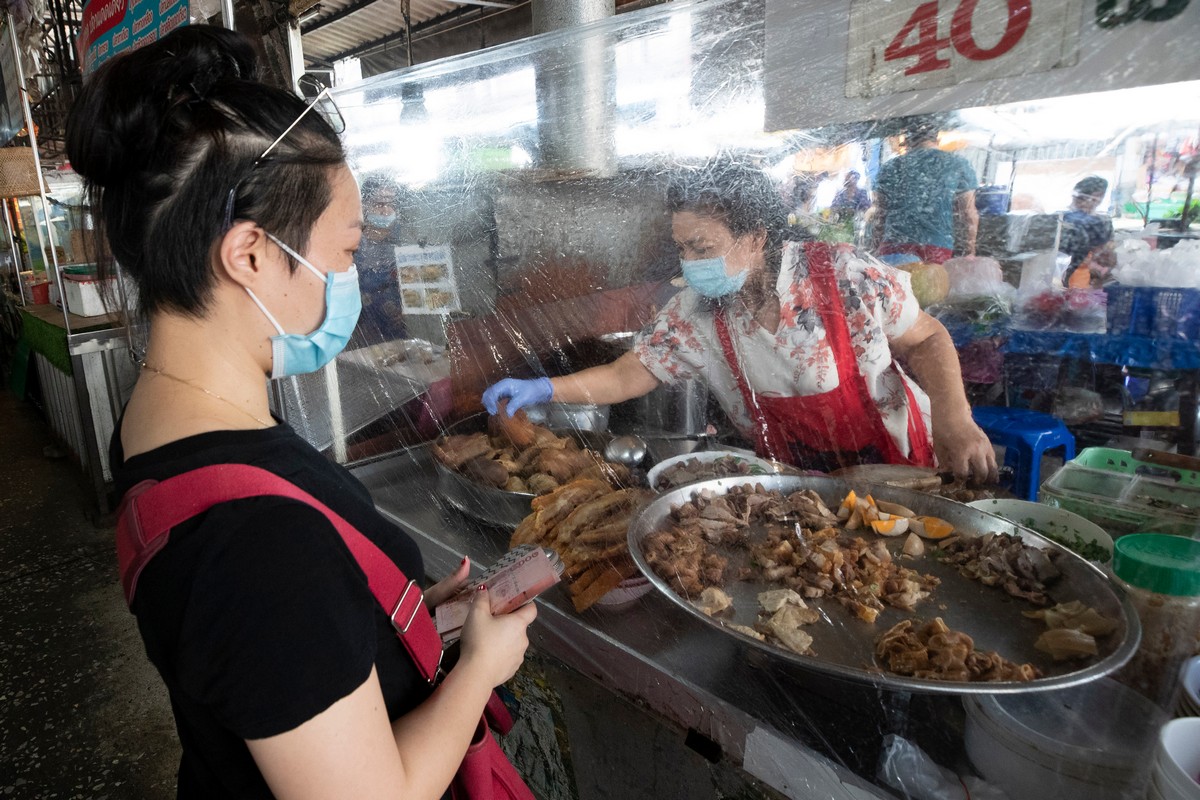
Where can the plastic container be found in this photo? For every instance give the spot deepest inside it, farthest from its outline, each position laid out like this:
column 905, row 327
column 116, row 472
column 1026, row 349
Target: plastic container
column 1088, row 742
column 1064, row 527
column 1161, row 574
column 83, row 295
column 1123, row 495
column 1176, row 772
column 40, row 293
column 992, row 200
column 1189, row 697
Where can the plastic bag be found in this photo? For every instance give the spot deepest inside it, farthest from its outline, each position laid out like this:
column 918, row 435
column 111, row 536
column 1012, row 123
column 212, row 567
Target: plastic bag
column 905, row 767
column 1138, row 265
column 976, row 276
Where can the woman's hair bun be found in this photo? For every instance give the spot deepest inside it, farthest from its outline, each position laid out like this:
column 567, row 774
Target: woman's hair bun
column 114, row 126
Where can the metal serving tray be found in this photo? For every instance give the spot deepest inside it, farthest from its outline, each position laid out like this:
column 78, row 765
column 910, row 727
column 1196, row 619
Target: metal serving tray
column 485, row 503
column 844, row 645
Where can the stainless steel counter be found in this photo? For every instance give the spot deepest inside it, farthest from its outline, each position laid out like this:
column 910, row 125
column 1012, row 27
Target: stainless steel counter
column 803, row 733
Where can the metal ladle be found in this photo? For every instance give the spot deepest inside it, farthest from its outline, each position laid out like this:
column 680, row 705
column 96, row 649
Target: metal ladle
column 628, row 449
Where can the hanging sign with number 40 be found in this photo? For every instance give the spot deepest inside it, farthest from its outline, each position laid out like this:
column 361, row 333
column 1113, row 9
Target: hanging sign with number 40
column 902, row 45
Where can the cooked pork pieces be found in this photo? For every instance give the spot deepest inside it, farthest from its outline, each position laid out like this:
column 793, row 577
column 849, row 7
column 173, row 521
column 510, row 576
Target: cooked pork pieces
column 936, row 652
column 1004, row 560
column 794, row 541
column 517, row 456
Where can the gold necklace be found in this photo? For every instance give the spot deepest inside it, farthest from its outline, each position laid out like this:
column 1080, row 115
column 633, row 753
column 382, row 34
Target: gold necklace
column 213, row 395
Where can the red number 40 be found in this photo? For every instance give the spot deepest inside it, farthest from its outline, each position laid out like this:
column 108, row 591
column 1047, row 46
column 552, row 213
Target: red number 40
column 928, row 45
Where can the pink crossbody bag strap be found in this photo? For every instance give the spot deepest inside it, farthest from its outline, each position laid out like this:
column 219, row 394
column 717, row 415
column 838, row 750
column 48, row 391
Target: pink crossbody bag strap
column 151, row 509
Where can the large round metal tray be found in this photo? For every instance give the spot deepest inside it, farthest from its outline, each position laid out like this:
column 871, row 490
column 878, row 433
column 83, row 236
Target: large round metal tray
column 485, row 503
column 845, row 645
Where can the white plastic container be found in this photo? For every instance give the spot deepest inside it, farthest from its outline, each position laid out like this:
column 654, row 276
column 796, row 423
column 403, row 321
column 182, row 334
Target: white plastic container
column 1189, row 677
column 1089, row 742
column 1176, row 773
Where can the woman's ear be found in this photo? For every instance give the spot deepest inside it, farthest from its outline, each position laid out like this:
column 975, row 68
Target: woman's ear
column 242, row 254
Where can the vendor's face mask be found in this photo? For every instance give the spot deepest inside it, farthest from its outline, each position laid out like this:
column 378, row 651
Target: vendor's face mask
column 380, row 220
column 297, row 354
column 708, row 277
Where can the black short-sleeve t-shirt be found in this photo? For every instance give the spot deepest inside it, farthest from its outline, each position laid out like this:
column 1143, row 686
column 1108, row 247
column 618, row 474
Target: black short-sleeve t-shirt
column 255, row 613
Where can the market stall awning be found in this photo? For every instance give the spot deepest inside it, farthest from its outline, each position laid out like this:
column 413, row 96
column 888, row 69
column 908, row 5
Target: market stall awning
column 343, row 28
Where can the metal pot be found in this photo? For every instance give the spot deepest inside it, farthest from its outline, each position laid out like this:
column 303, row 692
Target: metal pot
column 671, row 408
column 569, row 416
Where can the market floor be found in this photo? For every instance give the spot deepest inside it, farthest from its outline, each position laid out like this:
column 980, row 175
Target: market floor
column 82, row 712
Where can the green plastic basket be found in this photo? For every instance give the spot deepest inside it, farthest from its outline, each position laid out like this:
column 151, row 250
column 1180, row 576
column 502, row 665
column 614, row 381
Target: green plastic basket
column 1122, row 461
column 1114, row 490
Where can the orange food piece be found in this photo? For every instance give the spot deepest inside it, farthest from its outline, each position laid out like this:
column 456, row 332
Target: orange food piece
column 890, row 527
column 932, row 527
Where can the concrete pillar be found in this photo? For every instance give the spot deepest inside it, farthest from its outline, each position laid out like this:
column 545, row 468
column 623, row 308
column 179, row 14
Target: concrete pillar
column 576, row 90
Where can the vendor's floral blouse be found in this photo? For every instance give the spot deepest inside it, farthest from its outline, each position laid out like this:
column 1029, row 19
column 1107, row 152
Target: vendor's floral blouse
column 796, row 360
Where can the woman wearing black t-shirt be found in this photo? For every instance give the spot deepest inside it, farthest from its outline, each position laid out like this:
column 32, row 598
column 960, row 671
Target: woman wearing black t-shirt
column 230, row 205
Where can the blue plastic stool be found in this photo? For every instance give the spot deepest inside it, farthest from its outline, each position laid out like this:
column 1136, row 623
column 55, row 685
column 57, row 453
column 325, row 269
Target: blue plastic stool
column 1026, row 436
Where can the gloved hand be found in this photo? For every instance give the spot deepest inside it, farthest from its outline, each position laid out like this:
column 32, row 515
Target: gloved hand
column 518, row 393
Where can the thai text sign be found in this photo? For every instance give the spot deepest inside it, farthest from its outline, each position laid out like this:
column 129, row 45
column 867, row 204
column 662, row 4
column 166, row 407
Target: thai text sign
column 114, row 26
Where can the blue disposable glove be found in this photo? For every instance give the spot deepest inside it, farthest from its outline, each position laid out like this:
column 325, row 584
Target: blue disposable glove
column 518, row 393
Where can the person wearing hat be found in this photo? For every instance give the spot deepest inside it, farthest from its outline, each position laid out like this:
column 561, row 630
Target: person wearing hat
column 925, row 199
column 1086, row 233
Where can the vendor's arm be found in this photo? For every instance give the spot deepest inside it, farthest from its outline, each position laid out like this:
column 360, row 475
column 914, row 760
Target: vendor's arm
column 966, row 222
column 959, row 444
column 623, row 379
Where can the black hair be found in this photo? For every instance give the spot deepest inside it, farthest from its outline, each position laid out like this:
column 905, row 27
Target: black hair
column 1092, row 185
column 740, row 195
column 162, row 134
column 920, row 128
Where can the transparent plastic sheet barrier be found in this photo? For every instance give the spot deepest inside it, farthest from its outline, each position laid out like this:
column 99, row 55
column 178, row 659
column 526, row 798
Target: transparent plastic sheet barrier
column 517, row 226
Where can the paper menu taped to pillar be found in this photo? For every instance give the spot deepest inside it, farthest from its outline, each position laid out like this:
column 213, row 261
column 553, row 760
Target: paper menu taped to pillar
column 519, row 576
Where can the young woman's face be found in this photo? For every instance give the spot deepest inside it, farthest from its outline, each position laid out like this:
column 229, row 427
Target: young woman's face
column 331, row 248
column 699, row 236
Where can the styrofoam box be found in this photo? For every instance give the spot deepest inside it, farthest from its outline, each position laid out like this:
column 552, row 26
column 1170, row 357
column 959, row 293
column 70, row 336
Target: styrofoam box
column 83, row 297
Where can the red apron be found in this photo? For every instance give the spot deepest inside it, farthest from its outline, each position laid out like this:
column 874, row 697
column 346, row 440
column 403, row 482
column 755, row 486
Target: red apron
column 834, row 429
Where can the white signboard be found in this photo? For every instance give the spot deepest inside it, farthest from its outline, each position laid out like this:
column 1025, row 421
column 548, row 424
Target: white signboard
column 426, row 276
column 901, row 45
column 834, row 61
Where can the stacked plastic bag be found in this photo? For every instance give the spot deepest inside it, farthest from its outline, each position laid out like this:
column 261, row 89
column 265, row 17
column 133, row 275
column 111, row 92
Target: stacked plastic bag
column 1138, row 265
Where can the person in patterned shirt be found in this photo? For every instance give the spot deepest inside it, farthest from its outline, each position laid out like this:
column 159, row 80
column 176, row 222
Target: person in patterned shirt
column 797, row 341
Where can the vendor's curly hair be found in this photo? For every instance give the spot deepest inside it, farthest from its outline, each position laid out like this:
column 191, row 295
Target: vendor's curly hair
column 741, row 196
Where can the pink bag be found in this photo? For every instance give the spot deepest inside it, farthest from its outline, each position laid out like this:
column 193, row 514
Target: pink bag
column 151, row 509
column 486, row 773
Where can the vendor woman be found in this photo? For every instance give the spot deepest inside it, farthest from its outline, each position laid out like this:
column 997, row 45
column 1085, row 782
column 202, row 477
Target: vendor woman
column 799, row 343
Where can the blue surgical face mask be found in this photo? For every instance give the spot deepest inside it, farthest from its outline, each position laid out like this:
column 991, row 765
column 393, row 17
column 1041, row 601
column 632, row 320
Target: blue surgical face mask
column 297, row 354
column 707, row 276
column 380, row 220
